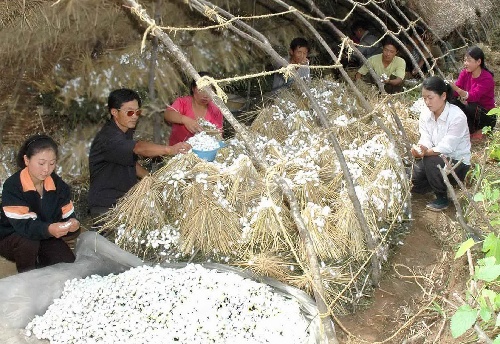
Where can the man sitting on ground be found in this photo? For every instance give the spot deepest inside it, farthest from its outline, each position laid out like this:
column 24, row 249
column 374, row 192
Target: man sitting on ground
column 114, row 153
column 389, row 67
column 367, row 42
column 299, row 49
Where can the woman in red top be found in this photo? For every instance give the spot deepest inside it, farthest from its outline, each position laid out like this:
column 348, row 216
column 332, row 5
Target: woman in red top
column 475, row 89
column 185, row 112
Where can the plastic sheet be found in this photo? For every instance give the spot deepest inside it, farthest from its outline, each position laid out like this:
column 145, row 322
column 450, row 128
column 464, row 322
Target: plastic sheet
column 26, row 295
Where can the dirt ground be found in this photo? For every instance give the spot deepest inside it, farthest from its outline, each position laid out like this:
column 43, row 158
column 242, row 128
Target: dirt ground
column 402, row 291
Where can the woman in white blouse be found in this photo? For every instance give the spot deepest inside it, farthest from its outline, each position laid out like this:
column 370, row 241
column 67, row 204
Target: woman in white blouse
column 443, row 131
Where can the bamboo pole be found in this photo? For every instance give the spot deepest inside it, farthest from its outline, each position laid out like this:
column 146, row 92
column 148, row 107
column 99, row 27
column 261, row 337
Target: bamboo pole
column 263, row 43
column 158, row 117
column 389, row 32
column 328, row 330
column 420, row 40
column 343, row 37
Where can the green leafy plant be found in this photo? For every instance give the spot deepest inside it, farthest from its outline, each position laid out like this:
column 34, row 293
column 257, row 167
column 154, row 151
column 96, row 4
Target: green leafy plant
column 483, row 300
column 489, row 196
column 494, row 146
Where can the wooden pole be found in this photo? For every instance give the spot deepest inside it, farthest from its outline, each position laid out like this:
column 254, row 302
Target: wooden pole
column 327, row 325
column 158, row 117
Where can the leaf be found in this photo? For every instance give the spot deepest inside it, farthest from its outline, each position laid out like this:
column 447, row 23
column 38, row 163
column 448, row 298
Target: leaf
column 495, row 195
column 462, row 320
column 497, row 323
column 497, row 339
column 464, row 247
column 497, row 301
column 485, row 313
column 479, row 197
column 489, row 295
column 494, row 112
column 491, row 246
column 495, row 222
column 487, row 273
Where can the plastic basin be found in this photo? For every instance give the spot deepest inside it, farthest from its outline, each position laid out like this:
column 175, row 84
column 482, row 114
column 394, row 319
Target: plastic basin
column 208, row 155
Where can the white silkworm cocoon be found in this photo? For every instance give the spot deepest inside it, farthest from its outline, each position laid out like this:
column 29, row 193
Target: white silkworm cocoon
column 65, row 225
column 417, row 148
column 159, row 305
column 203, row 142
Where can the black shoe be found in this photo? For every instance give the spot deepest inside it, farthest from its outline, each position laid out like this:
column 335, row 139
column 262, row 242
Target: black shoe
column 440, row 203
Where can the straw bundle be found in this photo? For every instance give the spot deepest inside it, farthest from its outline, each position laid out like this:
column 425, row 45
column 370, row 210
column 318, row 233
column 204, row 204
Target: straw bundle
column 446, row 15
column 141, row 209
column 329, row 243
column 268, row 122
column 347, row 225
column 276, row 265
column 268, row 225
column 334, row 279
column 172, row 178
column 208, row 224
column 245, row 184
column 73, row 163
column 7, row 164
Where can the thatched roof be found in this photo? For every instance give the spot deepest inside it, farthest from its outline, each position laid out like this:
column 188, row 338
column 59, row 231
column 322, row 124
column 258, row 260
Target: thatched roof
column 72, row 53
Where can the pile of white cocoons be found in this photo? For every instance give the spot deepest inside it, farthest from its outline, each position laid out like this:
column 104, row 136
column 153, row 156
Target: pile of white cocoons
column 162, row 305
column 203, row 142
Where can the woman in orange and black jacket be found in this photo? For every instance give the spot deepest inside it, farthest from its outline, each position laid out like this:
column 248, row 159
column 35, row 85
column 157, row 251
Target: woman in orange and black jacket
column 36, row 210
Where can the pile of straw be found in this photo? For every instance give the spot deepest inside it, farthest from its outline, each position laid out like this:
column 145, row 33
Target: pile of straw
column 445, row 16
column 7, row 164
column 73, row 162
column 231, row 212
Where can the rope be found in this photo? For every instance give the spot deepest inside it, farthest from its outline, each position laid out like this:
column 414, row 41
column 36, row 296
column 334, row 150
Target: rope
column 222, row 22
column 206, row 80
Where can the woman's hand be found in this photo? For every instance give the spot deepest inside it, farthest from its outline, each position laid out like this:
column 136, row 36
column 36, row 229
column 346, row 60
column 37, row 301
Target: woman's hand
column 192, row 125
column 60, row 229
column 418, row 151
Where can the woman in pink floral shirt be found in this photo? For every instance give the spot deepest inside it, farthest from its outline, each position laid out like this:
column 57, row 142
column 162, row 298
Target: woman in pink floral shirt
column 185, row 112
column 475, row 89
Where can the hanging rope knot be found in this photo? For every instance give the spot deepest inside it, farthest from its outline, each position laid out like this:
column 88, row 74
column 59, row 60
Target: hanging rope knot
column 346, row 41
column 205, row 81
column 142, row 14
column 350, row 44
column 212, row 14
column 287, row 71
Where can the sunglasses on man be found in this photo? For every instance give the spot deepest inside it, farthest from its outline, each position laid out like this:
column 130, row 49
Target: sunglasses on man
column 130, row 113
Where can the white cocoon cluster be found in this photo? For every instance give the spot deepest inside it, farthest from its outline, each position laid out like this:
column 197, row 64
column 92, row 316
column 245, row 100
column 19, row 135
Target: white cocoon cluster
column 417, row 148
column 203, row 142
column 160, row 305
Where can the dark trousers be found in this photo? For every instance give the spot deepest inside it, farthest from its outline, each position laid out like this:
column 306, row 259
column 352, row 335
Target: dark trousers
column 30, row 254
column 427, row 177
column 477, row 117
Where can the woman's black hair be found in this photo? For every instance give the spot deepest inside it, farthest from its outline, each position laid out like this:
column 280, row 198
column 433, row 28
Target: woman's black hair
column 122, row 95
column 437, row 85
column 193, row 82
column 33, row 145
column 477, row 53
